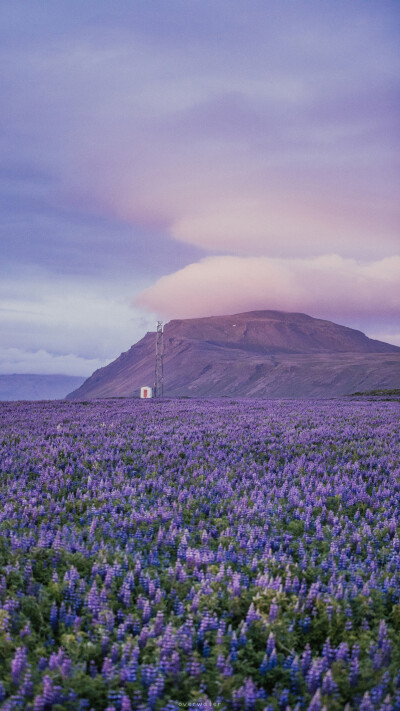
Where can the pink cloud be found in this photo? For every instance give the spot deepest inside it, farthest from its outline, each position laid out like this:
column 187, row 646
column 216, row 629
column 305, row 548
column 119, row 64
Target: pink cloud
column 328, row 286
column 284, row 222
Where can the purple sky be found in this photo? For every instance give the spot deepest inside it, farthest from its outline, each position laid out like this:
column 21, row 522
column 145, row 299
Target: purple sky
column 194, row 157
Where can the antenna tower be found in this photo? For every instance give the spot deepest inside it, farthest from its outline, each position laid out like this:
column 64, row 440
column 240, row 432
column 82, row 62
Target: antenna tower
column 159, row 363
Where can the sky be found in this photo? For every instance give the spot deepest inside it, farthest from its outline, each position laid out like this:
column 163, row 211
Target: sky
column 183, row 158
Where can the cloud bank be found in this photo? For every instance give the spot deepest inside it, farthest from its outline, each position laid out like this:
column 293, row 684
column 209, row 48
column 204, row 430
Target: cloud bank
column 41, row 362
column 328, row 286
column 64, row 325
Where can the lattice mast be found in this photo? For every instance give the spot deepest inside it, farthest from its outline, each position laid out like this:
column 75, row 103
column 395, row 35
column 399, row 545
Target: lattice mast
column 159, row 363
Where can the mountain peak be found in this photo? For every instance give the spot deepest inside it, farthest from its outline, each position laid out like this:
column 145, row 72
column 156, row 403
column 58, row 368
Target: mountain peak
column 257, row 353
column 275, row 332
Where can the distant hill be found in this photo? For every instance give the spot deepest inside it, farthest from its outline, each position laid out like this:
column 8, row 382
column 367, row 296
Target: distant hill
column 255, row 354
column 37, row 387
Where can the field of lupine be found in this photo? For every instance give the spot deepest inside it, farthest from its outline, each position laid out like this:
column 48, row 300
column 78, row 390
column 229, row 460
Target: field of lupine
column 182, row 554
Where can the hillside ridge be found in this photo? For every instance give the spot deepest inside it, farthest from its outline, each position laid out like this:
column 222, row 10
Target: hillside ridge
column 257, row 353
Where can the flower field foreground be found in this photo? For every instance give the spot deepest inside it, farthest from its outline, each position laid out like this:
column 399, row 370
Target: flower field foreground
column 173, row 554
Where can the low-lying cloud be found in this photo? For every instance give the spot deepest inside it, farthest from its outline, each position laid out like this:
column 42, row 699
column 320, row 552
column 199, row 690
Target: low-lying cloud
column 41, row 362
column 329, row 286
column 64, row 326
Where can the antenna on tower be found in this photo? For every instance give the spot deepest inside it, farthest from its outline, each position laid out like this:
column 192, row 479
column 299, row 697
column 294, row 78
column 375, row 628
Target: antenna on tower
column 159, row 363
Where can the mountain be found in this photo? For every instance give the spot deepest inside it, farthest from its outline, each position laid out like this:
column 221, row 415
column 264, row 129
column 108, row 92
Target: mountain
column 37, row 387
column 255, row 354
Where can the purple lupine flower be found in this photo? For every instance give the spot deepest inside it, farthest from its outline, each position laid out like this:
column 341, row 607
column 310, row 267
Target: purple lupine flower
column 264, row 664
column 329, row 685
column 126, row 595
column 386, row 704
column 143, row 636
column 56, row 659
column 283, row 699
column 27, row 685
column 54, row 615
column 93, row 600
column 107, row 670
column 236, row 584
column 42, row 663
column 155, row 691
column 174, row 664
column 158, row 624
column 270, row 643
column 273, row 659
column 306, row 659
column 328, row 653
column 366, row 704
column 250, row 694
column 315, row 704
column 18, row 664
column 294, row 674
column 273, row 611
column 206, row 649
column 38, row 703
column 148, row 674
column 48, row 690
column 343, row 651
column 66, row 668
column 114, row 653
column 126, row 703
column 247, row 692
column 193, row 666
column 386, row 651
column 146, row 613
column 227, row 670
column 221, row 632
column 220, row 662
column 354, row 671
column 26, row 631
column 252, row 614
column 377, row 660
column 313, row 677
column 132, row 666
column 382, row 634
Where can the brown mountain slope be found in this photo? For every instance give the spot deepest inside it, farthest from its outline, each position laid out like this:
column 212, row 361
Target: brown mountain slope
column 256, row 354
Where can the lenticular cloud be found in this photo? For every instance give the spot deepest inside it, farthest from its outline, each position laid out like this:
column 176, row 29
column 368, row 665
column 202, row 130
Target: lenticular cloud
column 329, row 286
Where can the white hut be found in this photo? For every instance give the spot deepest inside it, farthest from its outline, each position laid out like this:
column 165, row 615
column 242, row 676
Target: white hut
column 146, row 392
